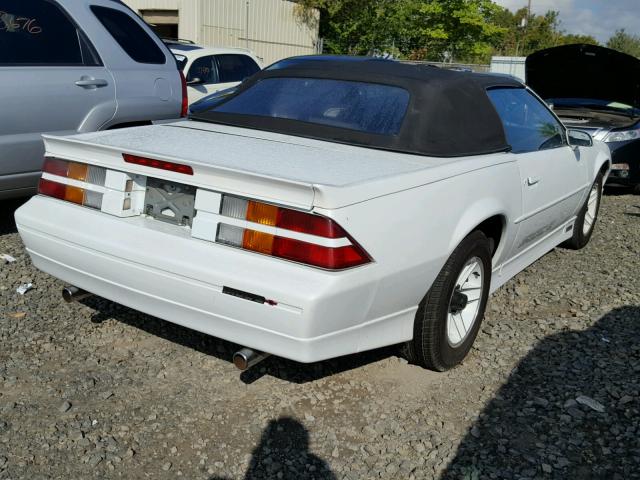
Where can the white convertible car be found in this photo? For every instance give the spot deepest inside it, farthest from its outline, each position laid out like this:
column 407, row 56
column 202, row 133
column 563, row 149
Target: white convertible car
column 325, row 208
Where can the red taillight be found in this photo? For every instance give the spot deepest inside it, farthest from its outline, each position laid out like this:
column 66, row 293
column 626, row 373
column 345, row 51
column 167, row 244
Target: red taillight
column 318, row 255
column 185, row 96
column 334, row 250
column 52, row 189
column 55, row 166
column 310, row 224
column 161, row 164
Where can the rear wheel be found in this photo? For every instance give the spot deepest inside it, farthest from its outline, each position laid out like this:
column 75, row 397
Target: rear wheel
column 586, row 221
column 449, row 316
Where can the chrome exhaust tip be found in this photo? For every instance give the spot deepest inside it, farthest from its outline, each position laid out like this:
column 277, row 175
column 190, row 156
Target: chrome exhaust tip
column 73, row 294
column 246, row 358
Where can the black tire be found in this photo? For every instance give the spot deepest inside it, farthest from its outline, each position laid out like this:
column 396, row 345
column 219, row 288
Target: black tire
column 580, row 239
column 430, row 346
column 636, row 189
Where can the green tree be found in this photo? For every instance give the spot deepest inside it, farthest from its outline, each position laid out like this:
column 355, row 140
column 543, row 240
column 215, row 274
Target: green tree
column 526, row 33
column 625, row 43
column 418, row 29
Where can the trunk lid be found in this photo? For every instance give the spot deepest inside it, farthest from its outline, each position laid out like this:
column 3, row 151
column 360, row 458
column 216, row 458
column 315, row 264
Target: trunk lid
column 585, row 72
column 250, row 163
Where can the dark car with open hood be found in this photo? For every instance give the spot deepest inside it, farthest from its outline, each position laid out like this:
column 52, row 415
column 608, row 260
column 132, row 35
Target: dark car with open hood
column 597, row 90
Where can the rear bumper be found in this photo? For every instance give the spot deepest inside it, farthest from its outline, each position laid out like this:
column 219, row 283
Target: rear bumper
column 160, row 270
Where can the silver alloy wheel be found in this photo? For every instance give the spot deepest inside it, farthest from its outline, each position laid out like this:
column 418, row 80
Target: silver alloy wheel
column 464, row 303
column 592, row 210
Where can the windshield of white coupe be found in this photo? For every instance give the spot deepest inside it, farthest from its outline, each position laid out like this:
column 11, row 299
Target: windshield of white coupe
column 364, row 107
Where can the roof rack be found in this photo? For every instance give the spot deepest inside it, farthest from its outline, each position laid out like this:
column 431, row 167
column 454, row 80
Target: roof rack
column 177, row 41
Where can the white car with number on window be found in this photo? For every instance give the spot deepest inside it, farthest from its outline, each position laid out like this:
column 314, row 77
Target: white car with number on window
column 209, row 70
column 324, row 208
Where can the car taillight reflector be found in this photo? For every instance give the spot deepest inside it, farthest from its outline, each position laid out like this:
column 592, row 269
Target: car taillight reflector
column 161, row 164
column 72, row 193
column 293, row 220
column 69, row 193
column 278, row 244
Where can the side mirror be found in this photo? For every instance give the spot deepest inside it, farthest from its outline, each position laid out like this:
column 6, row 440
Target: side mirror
column 195, row 81
column 578, row 138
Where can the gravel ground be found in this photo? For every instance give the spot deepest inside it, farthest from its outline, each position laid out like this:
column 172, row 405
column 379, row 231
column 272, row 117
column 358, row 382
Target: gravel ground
column 550, row 390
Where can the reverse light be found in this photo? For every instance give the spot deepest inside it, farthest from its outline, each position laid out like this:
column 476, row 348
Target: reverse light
column 160, row 164
column 623, row 135
column 289, row 234
column 88, row 175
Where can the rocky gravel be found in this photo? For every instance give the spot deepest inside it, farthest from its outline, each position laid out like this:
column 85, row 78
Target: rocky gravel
column 550, row 390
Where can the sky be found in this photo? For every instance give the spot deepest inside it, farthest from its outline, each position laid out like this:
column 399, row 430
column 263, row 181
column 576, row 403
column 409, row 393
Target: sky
column 599, row 18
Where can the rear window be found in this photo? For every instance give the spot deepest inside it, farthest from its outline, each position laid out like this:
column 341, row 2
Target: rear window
column 364, row 107
column 37, row 32
column 129, row 35
column 235, row 68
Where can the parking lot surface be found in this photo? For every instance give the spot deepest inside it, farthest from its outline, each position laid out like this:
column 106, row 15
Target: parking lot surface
column 550, row 390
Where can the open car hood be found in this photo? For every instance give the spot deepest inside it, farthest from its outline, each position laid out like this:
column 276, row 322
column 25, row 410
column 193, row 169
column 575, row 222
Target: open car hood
column 585, row 71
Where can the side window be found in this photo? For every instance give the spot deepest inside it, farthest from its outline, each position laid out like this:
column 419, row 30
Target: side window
column 528, row 124
column 130, row 35
column 235, row 68
column 37, row 32
column 203, row 68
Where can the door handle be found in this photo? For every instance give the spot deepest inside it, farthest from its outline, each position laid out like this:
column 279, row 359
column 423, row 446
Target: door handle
column 531, row 181
column 86, row 82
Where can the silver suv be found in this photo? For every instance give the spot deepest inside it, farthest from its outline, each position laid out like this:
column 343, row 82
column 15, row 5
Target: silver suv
column 68, row 67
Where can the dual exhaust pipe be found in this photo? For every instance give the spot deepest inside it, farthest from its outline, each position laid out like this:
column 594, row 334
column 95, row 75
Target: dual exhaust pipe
column 73, row 294
column 246, row 358
column 243, row 359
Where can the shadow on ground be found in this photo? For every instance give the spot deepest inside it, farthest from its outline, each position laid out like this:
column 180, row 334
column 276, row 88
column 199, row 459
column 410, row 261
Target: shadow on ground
column 534, row 428
column 7, row 209
column 273, row 366
column 283, row 452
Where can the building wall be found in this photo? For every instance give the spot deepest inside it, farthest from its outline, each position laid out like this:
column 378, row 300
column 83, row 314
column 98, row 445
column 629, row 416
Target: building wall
column 268, row 27
column 510, row 65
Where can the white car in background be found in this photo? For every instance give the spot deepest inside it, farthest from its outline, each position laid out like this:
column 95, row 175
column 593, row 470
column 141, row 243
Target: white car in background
column 324, row 208
column 209, row 70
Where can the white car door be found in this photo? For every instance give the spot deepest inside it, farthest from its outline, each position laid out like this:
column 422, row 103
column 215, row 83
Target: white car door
column 553, row 177
column 51, row 81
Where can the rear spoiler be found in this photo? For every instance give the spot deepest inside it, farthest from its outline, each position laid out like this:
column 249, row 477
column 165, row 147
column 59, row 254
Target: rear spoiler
column 238, row 182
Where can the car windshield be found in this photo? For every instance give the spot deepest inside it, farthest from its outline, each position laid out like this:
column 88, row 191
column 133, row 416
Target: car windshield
column 594, row 104
column 365, row 107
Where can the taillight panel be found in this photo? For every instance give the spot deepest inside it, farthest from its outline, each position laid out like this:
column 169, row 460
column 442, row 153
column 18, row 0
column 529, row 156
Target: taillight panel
column 68, row 181
column 288, row 234
column 110, row 191
column 298, row 236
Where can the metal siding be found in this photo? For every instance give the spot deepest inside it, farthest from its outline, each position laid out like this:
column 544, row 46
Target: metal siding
column 275, row 32
column 187, row 13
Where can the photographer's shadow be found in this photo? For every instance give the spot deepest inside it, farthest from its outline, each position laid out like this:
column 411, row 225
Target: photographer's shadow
column 283, row 453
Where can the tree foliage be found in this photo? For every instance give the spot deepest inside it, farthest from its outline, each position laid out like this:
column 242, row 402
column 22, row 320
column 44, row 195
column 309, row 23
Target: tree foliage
column 625, row 43
column 433, row 29
column 444, row 30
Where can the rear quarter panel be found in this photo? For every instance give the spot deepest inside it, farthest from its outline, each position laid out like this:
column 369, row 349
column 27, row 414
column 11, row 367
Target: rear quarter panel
column 410, row 234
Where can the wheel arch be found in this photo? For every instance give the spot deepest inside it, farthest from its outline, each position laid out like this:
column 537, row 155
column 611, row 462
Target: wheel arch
column 490, row 220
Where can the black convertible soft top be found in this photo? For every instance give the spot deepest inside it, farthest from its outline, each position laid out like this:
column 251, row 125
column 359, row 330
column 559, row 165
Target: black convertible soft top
column 449, row 112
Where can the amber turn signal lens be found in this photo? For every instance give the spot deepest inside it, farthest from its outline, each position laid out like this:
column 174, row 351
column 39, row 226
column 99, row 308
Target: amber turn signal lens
column 78, row 171
column 258, row 241
column 74, row 195
column 262, row 213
